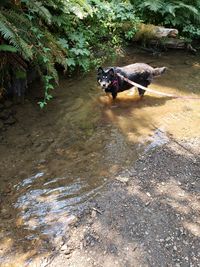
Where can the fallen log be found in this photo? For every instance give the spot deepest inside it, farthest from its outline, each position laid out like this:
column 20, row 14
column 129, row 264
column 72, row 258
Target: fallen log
column 158, row 36
column 149, row 32
column 173, row 43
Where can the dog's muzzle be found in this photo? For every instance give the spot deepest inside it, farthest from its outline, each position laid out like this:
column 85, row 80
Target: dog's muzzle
column 104, row 85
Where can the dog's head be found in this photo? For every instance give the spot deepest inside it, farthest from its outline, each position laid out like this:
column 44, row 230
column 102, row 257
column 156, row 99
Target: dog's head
column 105, row 77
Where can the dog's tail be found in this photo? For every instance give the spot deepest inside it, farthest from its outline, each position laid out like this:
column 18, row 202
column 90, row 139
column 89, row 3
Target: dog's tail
column 159, row 71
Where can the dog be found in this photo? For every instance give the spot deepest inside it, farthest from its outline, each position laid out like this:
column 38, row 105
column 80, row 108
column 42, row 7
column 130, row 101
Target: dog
column 140, row 73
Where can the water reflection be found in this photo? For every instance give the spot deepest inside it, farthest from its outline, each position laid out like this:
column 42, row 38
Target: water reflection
column 48, row 208
column 28, row 181
column 158, row 139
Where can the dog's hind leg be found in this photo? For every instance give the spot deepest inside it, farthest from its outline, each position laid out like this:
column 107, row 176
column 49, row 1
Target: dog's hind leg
column 142, row 91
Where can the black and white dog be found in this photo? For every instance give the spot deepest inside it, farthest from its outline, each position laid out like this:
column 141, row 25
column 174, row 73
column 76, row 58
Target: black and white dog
column 140, row 73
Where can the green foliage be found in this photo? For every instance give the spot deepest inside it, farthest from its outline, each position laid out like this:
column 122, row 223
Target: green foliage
column 184, row 15
column 79, row 34
column 76, row 34
column 8, row 48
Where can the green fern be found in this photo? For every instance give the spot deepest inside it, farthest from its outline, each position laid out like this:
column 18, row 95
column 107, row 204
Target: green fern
column 8, row 48
column 152, row 5
column 38, row 8
column 11, row 34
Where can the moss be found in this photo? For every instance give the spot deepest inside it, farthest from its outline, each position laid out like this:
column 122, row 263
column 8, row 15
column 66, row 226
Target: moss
column 145, row 32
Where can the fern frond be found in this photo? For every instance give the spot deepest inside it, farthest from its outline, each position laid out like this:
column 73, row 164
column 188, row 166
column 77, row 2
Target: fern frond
column 189, row 8
column 38, row 8
column 152, row 5
column 10, row 33
column 8, row 48
column 58, row 52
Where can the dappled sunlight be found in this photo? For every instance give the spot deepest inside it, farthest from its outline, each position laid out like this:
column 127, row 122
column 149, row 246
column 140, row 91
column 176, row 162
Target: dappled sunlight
column 138, row 119
column 139, row 194
column 178, row 198
column 13, row 255
column 5, row 245
column 155, row 211
column 194, row 228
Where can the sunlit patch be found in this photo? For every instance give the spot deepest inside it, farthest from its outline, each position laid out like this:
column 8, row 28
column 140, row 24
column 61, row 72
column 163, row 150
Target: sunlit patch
column 5, row 245
column 176, row 197
column 194, row 228
column 15, row 259
column 138, row 192
column 131, row 92
column 196, row 64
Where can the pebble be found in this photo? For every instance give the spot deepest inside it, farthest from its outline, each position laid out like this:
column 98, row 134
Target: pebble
column 93, row 214
column 71, row 219
column 122, row 179
column 64, row 247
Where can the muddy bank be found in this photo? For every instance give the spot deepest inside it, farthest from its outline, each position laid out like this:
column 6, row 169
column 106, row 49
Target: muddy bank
column 148, row 216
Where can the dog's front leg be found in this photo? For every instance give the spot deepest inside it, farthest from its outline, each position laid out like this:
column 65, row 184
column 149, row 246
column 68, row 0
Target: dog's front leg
column 114, row 95
column 141, row 92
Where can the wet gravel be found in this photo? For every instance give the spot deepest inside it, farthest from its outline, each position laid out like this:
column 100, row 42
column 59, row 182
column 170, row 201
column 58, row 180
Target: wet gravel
column 149, row 215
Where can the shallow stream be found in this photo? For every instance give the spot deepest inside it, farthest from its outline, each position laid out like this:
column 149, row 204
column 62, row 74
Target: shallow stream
column 54, row 161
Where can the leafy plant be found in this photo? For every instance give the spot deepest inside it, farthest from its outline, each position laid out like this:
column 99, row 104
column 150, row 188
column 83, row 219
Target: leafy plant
column 184, row 15
column 76, row 34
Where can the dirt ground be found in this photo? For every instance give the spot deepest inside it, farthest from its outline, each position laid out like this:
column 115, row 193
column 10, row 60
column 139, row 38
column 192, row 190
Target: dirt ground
column 147, row 216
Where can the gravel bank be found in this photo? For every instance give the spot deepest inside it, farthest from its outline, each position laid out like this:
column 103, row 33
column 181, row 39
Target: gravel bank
column 147, row 216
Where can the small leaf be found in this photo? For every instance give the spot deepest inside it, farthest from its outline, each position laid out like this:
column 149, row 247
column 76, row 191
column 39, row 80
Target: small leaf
column 8, row 48
column 70, row 62
column 42, row 104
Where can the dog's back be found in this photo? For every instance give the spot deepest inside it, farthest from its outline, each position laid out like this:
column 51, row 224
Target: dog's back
column 141, row 68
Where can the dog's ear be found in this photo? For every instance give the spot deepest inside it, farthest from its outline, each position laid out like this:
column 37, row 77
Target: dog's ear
column 111, row 72
column 100, row 70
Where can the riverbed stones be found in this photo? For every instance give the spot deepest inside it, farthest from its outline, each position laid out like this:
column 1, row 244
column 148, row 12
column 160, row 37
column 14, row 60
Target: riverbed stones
column 5, row 114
